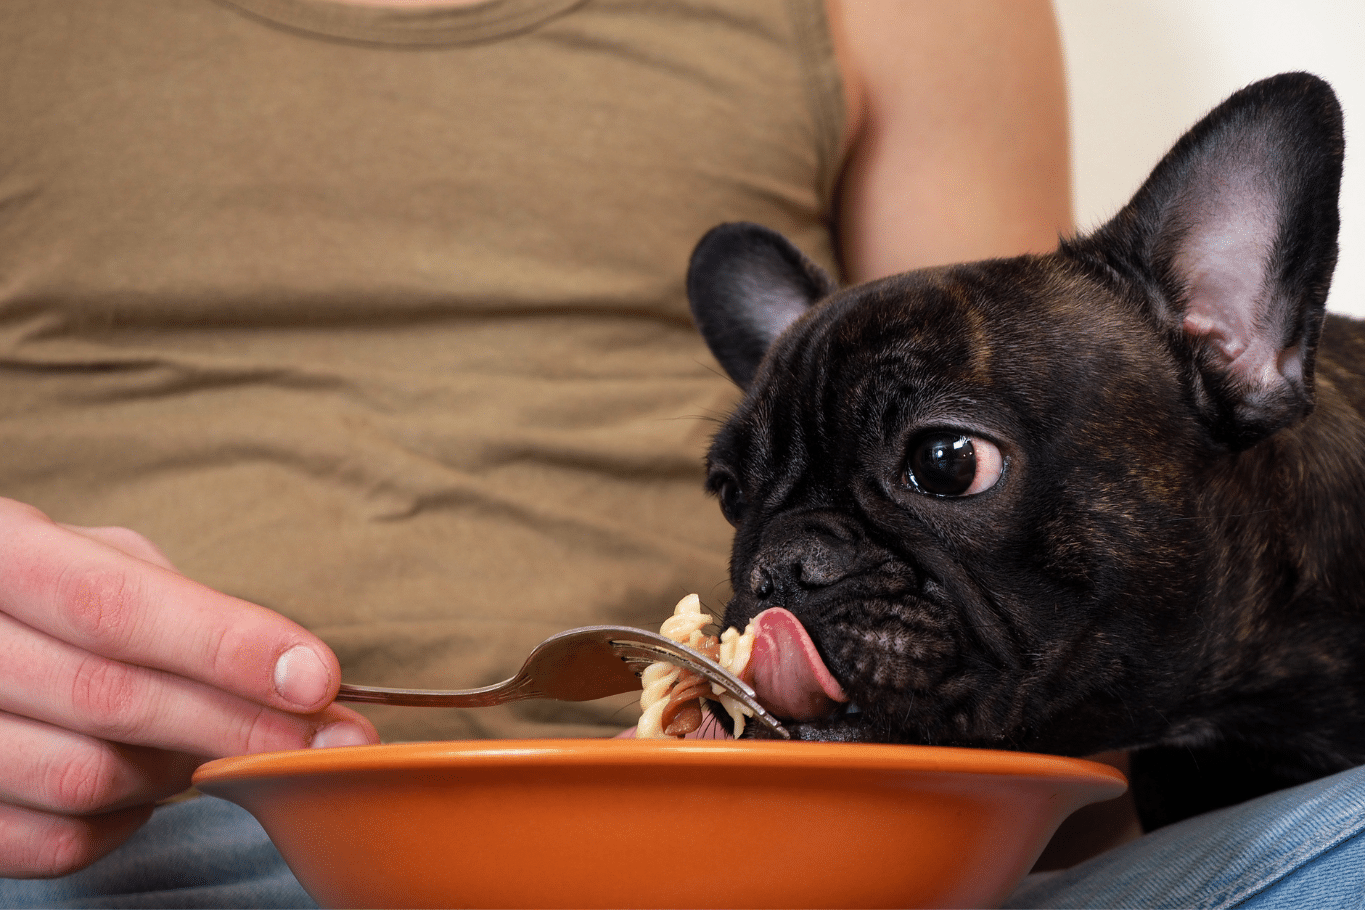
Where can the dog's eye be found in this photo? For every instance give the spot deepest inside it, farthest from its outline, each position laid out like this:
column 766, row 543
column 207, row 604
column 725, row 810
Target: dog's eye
column 731, row 498
column 946, row 463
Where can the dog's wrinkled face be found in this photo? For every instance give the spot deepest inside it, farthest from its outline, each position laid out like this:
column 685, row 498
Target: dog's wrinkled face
column 952, row 509
column 981, row 489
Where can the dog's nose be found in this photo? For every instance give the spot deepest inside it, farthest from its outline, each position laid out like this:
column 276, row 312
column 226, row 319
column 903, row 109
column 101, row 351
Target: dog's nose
column 816, row 559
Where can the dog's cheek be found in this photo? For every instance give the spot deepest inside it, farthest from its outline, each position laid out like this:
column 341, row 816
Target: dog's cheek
column 912, row 666
column 887, row 652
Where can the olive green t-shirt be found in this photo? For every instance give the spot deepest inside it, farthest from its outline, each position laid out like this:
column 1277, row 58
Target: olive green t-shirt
column 376, row 316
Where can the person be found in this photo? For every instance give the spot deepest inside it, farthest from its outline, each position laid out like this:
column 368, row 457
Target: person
column 370, row 315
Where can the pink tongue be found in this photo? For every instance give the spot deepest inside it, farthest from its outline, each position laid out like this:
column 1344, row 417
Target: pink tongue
column 786, row 671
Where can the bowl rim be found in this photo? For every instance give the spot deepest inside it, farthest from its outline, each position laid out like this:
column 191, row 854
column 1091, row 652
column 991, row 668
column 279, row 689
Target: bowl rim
column 545, row 753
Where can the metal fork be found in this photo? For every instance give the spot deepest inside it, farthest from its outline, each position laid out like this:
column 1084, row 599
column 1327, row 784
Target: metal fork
column 578, row 665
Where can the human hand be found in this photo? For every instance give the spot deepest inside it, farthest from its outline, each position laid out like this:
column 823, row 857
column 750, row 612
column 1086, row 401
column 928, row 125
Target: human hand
column 119, row 676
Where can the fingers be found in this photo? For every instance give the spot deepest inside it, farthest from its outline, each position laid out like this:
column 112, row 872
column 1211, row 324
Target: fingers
column 54, row 770
column 118, row 676
column 340, row 726
column 99, row 636
column 59, row 771
column 59, row 684
column 67, row 799
column 77, row 588
column 54, row 778
column 40, row 845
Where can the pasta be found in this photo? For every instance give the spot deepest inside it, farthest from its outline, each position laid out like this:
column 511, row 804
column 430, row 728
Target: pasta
column 671, row 701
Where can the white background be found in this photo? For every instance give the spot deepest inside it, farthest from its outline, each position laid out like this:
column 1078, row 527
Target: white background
column 1143, row 71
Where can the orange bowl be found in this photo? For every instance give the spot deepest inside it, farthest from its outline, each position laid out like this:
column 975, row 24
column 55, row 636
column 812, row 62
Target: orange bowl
column 629, row 823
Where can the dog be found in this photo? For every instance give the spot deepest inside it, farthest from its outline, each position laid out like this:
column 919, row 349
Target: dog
column 1107, row 498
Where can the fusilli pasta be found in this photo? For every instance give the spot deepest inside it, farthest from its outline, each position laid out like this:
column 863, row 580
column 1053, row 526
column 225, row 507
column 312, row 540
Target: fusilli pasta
column 671, row 700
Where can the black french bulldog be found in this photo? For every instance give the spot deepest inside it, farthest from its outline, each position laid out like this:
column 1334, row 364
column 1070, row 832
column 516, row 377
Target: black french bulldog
column 1112, row 497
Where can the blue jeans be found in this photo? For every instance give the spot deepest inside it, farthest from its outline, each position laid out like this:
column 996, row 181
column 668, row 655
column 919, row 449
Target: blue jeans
column 1303, row 847
column 202, row 852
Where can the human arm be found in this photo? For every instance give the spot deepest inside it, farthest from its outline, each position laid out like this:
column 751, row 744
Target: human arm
column 118, row 676
column 956, row 144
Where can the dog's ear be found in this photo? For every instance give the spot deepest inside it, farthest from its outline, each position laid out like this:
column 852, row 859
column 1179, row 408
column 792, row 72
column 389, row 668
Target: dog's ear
column 1234, row 238
column 747, row 284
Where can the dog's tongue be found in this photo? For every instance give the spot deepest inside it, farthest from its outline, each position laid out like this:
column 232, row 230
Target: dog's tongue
column 786, row 671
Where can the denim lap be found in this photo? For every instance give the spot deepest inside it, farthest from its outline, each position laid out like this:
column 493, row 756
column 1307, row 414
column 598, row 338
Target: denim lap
column 202, row 852
column 1267, row 853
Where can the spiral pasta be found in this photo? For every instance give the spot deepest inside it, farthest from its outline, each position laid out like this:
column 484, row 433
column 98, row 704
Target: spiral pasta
column 671, row 700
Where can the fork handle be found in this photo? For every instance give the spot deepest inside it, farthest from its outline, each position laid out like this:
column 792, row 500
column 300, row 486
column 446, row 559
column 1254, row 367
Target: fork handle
column 462, row 698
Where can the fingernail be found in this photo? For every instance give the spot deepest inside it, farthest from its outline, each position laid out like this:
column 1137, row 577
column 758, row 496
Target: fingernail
column 301, row 678
column 340, row 734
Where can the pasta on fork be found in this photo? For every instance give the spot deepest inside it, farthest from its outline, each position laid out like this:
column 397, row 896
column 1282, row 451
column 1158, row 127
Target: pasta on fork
column 671, row 700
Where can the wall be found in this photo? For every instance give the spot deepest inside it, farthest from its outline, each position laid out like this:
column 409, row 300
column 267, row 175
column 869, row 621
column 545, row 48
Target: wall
column 1142, row 71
